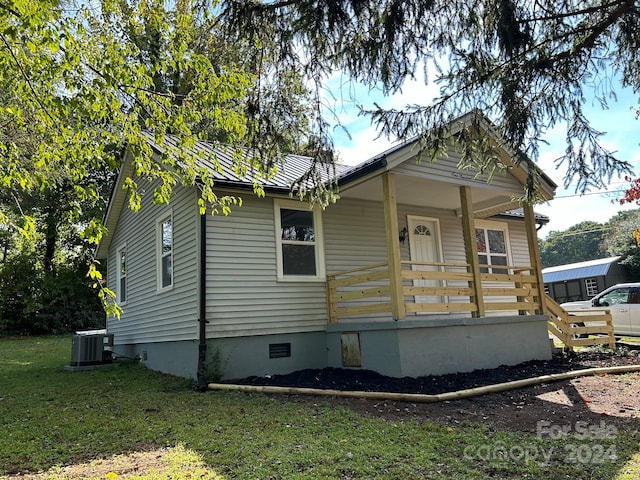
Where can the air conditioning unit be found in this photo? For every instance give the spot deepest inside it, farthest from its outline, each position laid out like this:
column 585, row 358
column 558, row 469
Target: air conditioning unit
column 92, row 347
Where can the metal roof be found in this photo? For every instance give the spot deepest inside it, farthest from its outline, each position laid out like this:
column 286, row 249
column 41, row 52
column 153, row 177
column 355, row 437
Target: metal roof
column 573, row 271
column 222, row 162
column 519, row 213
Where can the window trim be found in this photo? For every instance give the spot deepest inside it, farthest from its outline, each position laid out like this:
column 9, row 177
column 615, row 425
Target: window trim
column 120, row 276
column 494, row 225
column 320, row 276
column 159, row 255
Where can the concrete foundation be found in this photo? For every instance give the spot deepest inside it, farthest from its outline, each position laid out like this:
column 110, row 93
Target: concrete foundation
column 413, row 348
column 438, row 346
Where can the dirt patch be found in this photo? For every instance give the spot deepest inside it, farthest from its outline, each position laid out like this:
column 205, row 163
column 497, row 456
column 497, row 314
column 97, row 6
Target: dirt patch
column 585, row 399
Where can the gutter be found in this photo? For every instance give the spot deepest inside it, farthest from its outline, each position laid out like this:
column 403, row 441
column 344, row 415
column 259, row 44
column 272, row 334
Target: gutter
column 362, row 170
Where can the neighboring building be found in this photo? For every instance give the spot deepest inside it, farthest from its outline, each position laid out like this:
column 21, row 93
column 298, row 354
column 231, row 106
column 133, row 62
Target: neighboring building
column 419, row 268
column 583, row 280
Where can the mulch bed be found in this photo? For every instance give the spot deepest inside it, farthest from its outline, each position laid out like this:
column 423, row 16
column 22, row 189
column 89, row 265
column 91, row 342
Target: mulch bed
column 366, row 380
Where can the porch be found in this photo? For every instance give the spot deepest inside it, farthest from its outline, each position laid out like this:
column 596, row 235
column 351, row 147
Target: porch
column 446, row 321
column 449, row 322
column 407, row 317
column 397, row 287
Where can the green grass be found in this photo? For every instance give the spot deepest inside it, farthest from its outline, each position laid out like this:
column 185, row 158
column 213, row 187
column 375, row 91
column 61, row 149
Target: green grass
column 52, row 419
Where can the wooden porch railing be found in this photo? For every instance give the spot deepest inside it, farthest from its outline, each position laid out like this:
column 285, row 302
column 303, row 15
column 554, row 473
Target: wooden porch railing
column 366, row 291
column 356, row 285
column 573, row 328
column 448, row 288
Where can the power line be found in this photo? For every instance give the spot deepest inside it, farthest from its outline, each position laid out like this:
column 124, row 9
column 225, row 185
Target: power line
column 580, row 232
column 589, row 193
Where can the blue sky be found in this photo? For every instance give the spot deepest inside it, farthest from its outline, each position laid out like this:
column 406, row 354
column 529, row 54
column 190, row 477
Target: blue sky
column 567, row 208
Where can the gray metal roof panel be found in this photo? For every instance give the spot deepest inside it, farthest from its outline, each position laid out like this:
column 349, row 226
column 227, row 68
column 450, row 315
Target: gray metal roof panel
column 573, row 271
column 220, row 161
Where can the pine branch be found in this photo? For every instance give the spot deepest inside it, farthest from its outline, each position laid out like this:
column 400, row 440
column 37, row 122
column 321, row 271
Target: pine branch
column 596, row 31
column 558, row 16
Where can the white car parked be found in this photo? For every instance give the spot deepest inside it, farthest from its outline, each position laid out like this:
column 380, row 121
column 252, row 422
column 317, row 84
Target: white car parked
column 622, row 300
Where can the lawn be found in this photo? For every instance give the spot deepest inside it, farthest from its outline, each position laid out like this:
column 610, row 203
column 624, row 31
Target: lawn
column 129, row 422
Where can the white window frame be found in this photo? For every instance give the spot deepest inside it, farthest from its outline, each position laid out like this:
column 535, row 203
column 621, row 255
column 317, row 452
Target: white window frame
column 493, row 225
column 121, row 276
column 591, row 286
column 159, row 253
column 320, row 275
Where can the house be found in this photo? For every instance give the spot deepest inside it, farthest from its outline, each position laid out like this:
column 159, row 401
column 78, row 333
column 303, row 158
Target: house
column 419, row 268
column 583, row 280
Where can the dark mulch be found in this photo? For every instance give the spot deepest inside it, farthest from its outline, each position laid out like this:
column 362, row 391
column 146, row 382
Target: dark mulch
column 613, row 398
column 366, row 380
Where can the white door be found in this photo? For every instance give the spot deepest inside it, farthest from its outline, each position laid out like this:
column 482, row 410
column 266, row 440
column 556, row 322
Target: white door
column 424, row 246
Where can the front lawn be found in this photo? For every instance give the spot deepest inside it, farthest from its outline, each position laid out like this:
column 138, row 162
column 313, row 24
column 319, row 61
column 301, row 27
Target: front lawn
column 127, row 421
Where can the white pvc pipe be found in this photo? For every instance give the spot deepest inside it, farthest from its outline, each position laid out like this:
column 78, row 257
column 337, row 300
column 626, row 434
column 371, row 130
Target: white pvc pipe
column 424, row 398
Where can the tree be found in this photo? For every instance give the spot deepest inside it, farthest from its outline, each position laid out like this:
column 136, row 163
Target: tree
column 87, row 78
column 579, row 243
column 79, row 81
column 632, row 194
column 528, row 64
column 622, row 241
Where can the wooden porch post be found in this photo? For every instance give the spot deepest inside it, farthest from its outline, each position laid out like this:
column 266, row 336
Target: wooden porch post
column 471, row 249
column 534, row 254
column 393, row 245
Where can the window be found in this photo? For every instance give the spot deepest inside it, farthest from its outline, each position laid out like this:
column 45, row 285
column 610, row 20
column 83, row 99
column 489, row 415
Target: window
column 121, row 286
column 622, row 295
column 165, row 252
column 298, row 241
column 591, row 285
column 493, row 249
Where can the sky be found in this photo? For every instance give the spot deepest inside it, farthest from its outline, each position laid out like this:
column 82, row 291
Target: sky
column 566, row 209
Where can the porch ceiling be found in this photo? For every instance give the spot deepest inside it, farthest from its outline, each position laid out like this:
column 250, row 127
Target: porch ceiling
column 431, row 193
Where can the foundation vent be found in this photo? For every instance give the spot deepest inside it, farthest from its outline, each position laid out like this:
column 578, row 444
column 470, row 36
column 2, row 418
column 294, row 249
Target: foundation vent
column 279, row 350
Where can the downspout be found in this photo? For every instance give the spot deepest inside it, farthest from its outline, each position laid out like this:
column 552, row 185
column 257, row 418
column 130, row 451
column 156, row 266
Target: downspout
column 202, row 307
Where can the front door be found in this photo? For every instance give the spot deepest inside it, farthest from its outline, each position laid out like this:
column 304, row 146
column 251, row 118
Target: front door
column 425, row 247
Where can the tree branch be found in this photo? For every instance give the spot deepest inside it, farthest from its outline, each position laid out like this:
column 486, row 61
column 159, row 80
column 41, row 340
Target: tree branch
column 26, row 77
column 596, row 31
column 15, row 13
column 557, row 16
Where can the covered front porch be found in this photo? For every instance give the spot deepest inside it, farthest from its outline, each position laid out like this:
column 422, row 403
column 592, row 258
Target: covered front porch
column 398, row 289
column 406, row 317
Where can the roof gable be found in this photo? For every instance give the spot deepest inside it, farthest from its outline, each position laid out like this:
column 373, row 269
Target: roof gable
column 407, row 152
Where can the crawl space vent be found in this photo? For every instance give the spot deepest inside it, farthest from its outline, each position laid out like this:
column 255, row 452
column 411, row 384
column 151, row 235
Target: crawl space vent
column 279, row 350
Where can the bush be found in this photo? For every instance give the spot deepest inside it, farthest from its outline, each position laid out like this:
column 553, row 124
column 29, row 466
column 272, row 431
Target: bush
column 34, row 302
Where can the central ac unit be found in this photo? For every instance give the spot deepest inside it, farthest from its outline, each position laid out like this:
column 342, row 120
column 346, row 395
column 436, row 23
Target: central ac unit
column 91, row 348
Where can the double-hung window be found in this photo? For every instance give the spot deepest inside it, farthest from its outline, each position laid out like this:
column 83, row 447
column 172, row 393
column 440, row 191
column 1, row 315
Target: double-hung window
column 298, row 241
column 165, row 252
column 121, row 274
column 492, row 240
